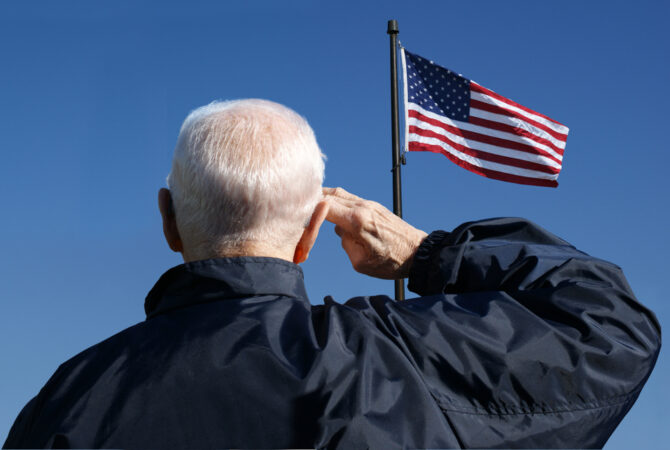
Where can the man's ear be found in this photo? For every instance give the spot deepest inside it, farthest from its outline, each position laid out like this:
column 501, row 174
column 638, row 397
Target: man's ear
column 169, row 221
column 308, row 237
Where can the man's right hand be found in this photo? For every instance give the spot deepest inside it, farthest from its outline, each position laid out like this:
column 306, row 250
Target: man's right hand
column 378, row 242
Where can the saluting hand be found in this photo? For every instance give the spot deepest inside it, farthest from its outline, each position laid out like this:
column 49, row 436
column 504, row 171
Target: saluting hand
column 378, row 242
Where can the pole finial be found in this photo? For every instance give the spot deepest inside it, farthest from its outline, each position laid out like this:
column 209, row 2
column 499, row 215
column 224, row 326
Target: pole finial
column 392, row 27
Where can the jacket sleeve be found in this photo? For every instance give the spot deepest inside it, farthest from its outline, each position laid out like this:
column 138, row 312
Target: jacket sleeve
column 19, row 432
column 522, row 340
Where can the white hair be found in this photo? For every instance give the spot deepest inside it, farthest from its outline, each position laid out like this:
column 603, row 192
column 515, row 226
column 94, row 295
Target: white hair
column 244, row 170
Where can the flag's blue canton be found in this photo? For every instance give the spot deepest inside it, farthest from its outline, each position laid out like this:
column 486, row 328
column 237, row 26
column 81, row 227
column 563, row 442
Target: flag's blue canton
column 437, row 89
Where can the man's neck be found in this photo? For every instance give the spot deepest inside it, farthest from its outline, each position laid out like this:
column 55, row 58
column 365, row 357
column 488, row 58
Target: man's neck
column 248, row 248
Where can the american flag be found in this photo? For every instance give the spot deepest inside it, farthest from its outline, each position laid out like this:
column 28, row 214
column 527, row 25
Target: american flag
column 478, row 129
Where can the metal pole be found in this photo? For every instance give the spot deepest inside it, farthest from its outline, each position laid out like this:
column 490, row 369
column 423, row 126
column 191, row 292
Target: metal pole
column 392, row 31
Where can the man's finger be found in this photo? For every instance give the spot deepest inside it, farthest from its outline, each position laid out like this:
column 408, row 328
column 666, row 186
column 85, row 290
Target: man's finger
column 349, row 203
column 339, row 212
column 354, row 250
column 340, row 193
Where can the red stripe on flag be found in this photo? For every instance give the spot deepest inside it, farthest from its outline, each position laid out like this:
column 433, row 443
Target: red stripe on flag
column 477, row 104
column 488, row 173
column 483, row 137
column 482, row 90
column 513, row 130
column 487, row 156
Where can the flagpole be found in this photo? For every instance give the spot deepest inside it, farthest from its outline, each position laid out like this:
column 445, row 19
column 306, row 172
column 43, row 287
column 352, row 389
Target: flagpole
column 392, row 31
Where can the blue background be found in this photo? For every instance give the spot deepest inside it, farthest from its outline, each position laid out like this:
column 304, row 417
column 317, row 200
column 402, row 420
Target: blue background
column 92, row 98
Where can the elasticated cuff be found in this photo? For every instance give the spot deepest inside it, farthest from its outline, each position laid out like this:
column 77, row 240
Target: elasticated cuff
column 425, row 263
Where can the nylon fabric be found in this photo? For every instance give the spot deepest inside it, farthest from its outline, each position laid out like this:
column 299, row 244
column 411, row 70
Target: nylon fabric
column 518, row 340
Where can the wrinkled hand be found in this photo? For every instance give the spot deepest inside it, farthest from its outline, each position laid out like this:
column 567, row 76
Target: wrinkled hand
column 378, row 242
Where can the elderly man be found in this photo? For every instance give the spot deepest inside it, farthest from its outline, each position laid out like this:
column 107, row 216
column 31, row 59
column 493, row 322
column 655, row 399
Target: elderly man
column 518, row 339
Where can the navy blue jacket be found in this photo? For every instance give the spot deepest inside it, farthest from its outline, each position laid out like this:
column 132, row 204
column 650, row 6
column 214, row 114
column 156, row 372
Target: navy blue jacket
column 518, row 340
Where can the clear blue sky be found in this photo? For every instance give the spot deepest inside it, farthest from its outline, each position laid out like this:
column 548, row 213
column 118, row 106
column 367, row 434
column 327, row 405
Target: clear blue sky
column 92, row 97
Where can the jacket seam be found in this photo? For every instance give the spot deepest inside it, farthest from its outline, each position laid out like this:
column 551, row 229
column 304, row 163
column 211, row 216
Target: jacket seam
column 607, row 403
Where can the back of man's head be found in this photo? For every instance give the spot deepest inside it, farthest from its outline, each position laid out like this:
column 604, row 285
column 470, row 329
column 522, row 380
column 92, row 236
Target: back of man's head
column 244, row 171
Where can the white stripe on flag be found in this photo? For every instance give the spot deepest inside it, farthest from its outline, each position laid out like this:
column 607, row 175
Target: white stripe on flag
column 482, row 163
column 404, row 91
column 516, row 122
column 494, row 101
column 476, row 145
column 487, row 131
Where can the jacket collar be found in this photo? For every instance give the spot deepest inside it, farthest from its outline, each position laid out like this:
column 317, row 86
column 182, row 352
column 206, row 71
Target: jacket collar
column 220, row 278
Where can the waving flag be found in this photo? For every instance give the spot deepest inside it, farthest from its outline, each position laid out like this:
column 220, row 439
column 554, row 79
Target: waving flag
column 478, row 129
